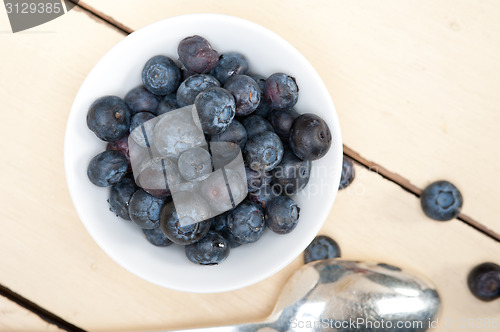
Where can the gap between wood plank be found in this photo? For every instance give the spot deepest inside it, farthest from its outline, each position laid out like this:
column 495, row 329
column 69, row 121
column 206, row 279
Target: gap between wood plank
column 107, row 19
column 401, row 181
column 39, row 311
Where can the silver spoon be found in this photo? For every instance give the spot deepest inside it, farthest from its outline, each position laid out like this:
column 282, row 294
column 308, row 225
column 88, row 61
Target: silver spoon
column 339, row 295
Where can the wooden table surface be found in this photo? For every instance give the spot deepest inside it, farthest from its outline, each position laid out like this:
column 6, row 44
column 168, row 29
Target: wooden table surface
column 416, row 86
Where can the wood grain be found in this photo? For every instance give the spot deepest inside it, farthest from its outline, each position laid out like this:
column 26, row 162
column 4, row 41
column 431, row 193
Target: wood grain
column 415, row 83
column 49, row 257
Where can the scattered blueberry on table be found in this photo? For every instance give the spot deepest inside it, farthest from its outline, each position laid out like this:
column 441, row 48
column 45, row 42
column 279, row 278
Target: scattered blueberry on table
column 484, row 281
column 322, row 247
column 441, row 200
column 348, row 173
column 276, row 142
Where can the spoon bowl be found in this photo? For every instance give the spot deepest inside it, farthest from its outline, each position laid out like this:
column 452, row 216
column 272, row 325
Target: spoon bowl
column 340, row 295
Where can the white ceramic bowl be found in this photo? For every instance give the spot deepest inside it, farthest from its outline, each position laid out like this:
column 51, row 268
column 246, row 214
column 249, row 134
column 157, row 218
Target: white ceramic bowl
column 118, row 72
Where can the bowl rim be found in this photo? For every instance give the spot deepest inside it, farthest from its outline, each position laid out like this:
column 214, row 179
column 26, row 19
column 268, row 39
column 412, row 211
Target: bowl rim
column 71, row 177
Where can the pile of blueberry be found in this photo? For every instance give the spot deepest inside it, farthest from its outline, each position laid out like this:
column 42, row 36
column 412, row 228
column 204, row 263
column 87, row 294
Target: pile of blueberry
column 251, row 111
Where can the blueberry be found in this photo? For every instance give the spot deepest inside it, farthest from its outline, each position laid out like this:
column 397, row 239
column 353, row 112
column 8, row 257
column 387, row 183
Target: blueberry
column 174, row 133
column 211, row 250
column 257, row 179
column 260, row 80
column 264, row 108
column 441, row 201
column 120, row 196
column 219, row 224
column 234, row 133
column 186, row 73
column 121, row 146
column 263, row 151
column 140, row 99
column 263, row 194
column 192, row 86
column 224, row 153
column 484, row 281
column 282, row 120
column 256, row 124
column 216, row 109
column 152, row 176
column 159, row 193
column 107, row 168
column 215, row 190
column 246, row 222
column 322, row 247
column 282, row 214
column 281, row 91
column 291, row 175
column 348, row 173
column 161, row 75
column 246, row 93
column 144, row 209
column 197, row 55
column 139, row 118
column 231, row 63
column 310, row 137
column 195, row 164
column 109, row 118
column 191, row 208
column 167, row 104
column 170, row 226
column 156, row 237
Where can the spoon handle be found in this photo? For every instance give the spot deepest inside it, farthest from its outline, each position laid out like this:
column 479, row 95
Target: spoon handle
column 249, row 327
